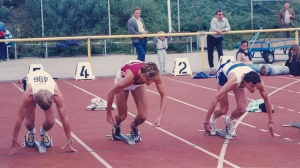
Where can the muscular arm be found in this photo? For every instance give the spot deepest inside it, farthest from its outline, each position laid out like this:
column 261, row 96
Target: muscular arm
column 239, row 57
column 264, row 95
column 163, row 98
column 59, row 101
column 25, row 103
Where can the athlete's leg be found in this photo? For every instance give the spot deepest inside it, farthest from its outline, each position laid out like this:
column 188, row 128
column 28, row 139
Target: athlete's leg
column 30, row 123
column 140, row 98
column 241, row 101
column 121, row 102
column 50, row 118
column 241, row 98
column 224, row 106
column 30, row 116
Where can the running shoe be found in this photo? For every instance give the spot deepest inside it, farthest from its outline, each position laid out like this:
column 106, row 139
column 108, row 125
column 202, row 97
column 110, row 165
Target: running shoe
column 46, row 140
column 116, row 133
column 135, row 134
column 230, row 128
column 29, row 139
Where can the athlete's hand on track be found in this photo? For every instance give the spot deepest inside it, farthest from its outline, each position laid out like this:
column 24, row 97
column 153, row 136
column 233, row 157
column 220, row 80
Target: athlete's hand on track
column 110, row 119
column 271, row 129
column 207, row 128
column 69, row 145
column 13, row 147
column 157, row 122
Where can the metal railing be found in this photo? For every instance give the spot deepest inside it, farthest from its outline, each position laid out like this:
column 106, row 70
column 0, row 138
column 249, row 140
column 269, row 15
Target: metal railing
column 201, row 34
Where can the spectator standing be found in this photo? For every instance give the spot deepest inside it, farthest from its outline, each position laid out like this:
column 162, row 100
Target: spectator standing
column 2, row 44
column 218, row 24
column 162, row 46
column 285, row 19
column 136, row 26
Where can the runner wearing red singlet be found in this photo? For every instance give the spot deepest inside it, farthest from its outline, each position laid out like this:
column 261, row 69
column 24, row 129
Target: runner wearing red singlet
column 132, row 77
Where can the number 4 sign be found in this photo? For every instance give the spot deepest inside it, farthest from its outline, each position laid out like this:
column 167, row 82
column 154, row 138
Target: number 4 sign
column 84, row 71
column 181, row 67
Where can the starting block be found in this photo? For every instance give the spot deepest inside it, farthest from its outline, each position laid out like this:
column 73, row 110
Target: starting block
column 221, row 133
column 224, row 134
column 128, row 139
column 39, row 146
column 293, row 124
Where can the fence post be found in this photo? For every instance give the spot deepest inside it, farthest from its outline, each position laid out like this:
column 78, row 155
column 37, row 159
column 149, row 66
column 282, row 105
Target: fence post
column 202, row 49
column 89, row 49
column 296, row 36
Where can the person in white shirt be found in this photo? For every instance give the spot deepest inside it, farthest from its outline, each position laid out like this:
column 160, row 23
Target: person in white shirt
column 136, row 26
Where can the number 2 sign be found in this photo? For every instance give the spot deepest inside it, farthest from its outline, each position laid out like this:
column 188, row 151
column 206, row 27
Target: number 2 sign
column 181, row 67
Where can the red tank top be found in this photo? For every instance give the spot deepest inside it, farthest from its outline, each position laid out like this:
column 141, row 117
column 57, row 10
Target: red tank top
column 134, row 67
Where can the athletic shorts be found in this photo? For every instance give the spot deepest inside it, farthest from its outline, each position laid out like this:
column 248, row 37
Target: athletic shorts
column 221, row 77
column 132, row 87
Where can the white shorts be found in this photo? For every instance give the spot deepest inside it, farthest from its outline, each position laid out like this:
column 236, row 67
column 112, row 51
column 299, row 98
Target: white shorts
column 132, row 87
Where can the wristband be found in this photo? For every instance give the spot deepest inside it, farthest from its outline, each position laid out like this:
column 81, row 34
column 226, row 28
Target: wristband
column 270, row 123
column 70, row 141
column 205, row 123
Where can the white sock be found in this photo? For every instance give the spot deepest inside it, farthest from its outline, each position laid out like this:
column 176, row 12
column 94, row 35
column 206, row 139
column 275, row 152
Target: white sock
column 42, row 131
column 212, row 118
column 32, row 131
column 229, row 119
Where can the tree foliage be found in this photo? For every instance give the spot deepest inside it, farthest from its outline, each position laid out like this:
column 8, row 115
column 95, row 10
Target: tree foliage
column 90, row 17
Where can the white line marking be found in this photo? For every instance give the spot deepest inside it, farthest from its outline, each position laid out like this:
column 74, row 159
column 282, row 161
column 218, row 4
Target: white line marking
column 263, row 130
column 290, row 110
column 288, row 139
column 277, row 135
column 169, row 133
column 280, row 107
column 79, row 141
column 290, row 91
column 86, row 147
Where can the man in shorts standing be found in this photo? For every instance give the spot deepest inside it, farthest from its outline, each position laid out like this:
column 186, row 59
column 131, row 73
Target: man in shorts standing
column 239, row 78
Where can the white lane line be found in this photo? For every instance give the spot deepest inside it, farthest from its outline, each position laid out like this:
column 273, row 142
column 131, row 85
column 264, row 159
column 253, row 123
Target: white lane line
column 263, row 130
column 79, row 141
column 167, row 132
column 290, row 110
column 280, row 107
column 86, row 147
column 288, row 139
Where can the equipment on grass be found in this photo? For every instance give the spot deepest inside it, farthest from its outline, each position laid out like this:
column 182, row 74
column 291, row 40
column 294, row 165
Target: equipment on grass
column 293, row 124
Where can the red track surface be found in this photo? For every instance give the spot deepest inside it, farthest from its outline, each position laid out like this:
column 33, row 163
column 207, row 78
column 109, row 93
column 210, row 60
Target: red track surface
column 177, row 143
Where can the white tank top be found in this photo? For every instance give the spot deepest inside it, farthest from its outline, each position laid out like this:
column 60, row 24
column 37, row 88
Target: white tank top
column 40, row 80
column 238, row 69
